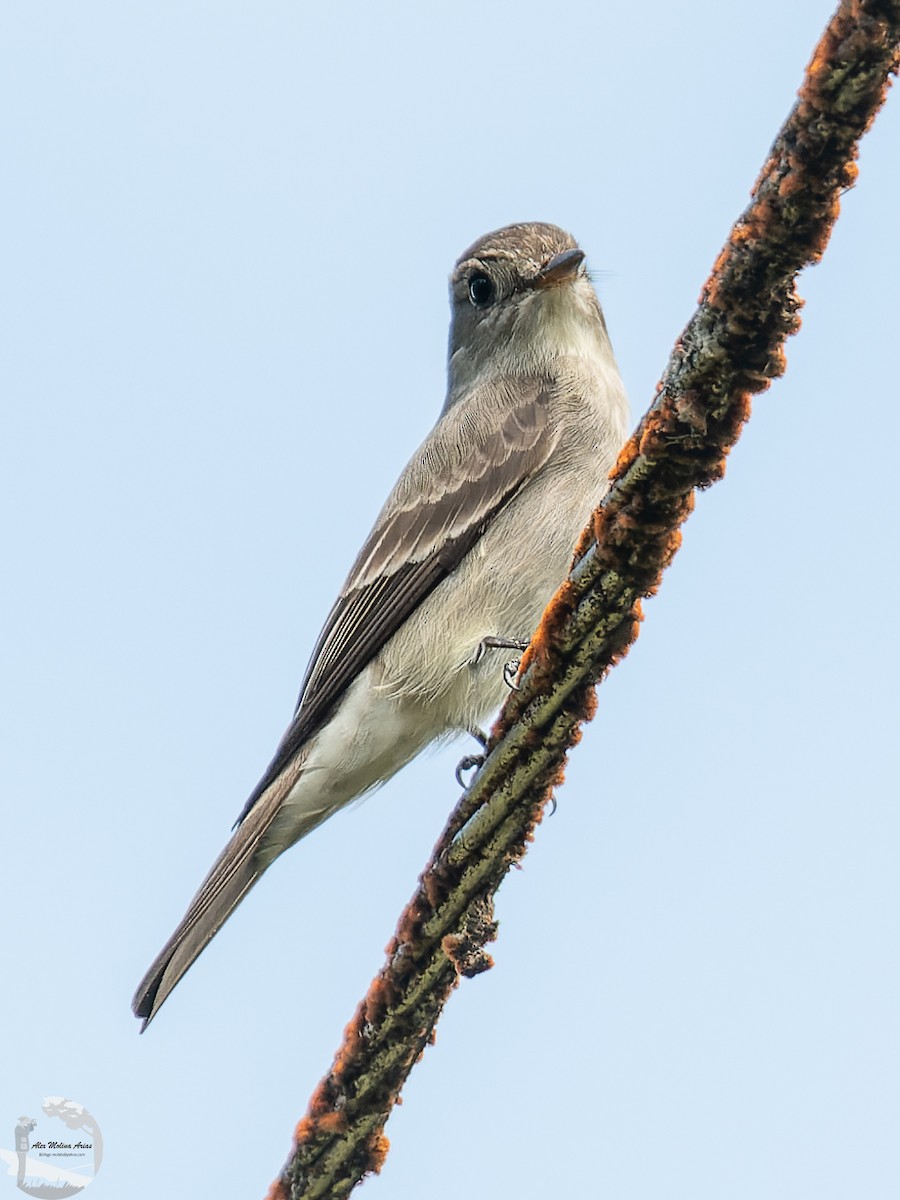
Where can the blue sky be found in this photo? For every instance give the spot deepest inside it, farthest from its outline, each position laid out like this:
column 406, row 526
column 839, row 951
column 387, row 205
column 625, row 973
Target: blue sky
column 223, row 321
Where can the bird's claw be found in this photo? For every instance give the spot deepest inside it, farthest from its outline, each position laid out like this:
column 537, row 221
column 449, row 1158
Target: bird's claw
column 510, row 671
column 466, row 764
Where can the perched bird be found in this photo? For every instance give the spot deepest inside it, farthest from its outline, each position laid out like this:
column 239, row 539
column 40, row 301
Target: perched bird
column 462, row 560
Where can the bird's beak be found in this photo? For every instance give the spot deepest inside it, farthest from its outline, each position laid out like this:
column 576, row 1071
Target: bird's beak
column 559, row 269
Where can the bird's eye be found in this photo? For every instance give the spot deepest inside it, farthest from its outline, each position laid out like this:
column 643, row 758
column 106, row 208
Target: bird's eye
column 481, row 290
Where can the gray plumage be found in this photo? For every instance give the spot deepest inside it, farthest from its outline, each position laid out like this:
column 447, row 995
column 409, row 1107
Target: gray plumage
column 471, row 543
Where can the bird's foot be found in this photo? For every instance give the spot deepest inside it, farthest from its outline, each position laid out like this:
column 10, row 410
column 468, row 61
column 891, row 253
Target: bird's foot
column 471, row 760
column 510, row 671
column 466, row 763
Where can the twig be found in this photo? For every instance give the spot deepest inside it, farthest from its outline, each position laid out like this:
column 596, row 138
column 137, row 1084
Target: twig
column 732, row 347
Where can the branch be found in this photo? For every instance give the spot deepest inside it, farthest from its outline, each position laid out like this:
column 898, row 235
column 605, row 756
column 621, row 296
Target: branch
column 732, row 347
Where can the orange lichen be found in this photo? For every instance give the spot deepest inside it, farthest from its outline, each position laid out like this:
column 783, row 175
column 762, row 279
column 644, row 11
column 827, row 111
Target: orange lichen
column 563, row 601
column 584, row 543
column 330, row 1122
column 850, row 174
column 627, row 455
column 378, row 1151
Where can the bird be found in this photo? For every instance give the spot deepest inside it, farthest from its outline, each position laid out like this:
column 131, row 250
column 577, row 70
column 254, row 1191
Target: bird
column 470, row 545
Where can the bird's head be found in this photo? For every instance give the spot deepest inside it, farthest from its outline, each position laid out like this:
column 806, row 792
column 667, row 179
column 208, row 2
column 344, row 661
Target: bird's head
column 521, row 298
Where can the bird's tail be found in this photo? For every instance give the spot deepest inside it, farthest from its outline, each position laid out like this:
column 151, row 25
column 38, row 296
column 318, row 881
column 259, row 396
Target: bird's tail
column 233, row 874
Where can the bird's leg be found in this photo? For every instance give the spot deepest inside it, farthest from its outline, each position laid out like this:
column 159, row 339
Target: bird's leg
column 468, row 761
column 509, row 677
column 496, row 643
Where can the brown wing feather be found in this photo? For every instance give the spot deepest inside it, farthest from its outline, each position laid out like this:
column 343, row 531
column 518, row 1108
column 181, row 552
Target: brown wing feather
column 417, row 541
column 442, row 503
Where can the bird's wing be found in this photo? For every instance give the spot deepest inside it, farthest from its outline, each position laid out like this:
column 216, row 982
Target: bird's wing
column 465, row 472
column 462, row 475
